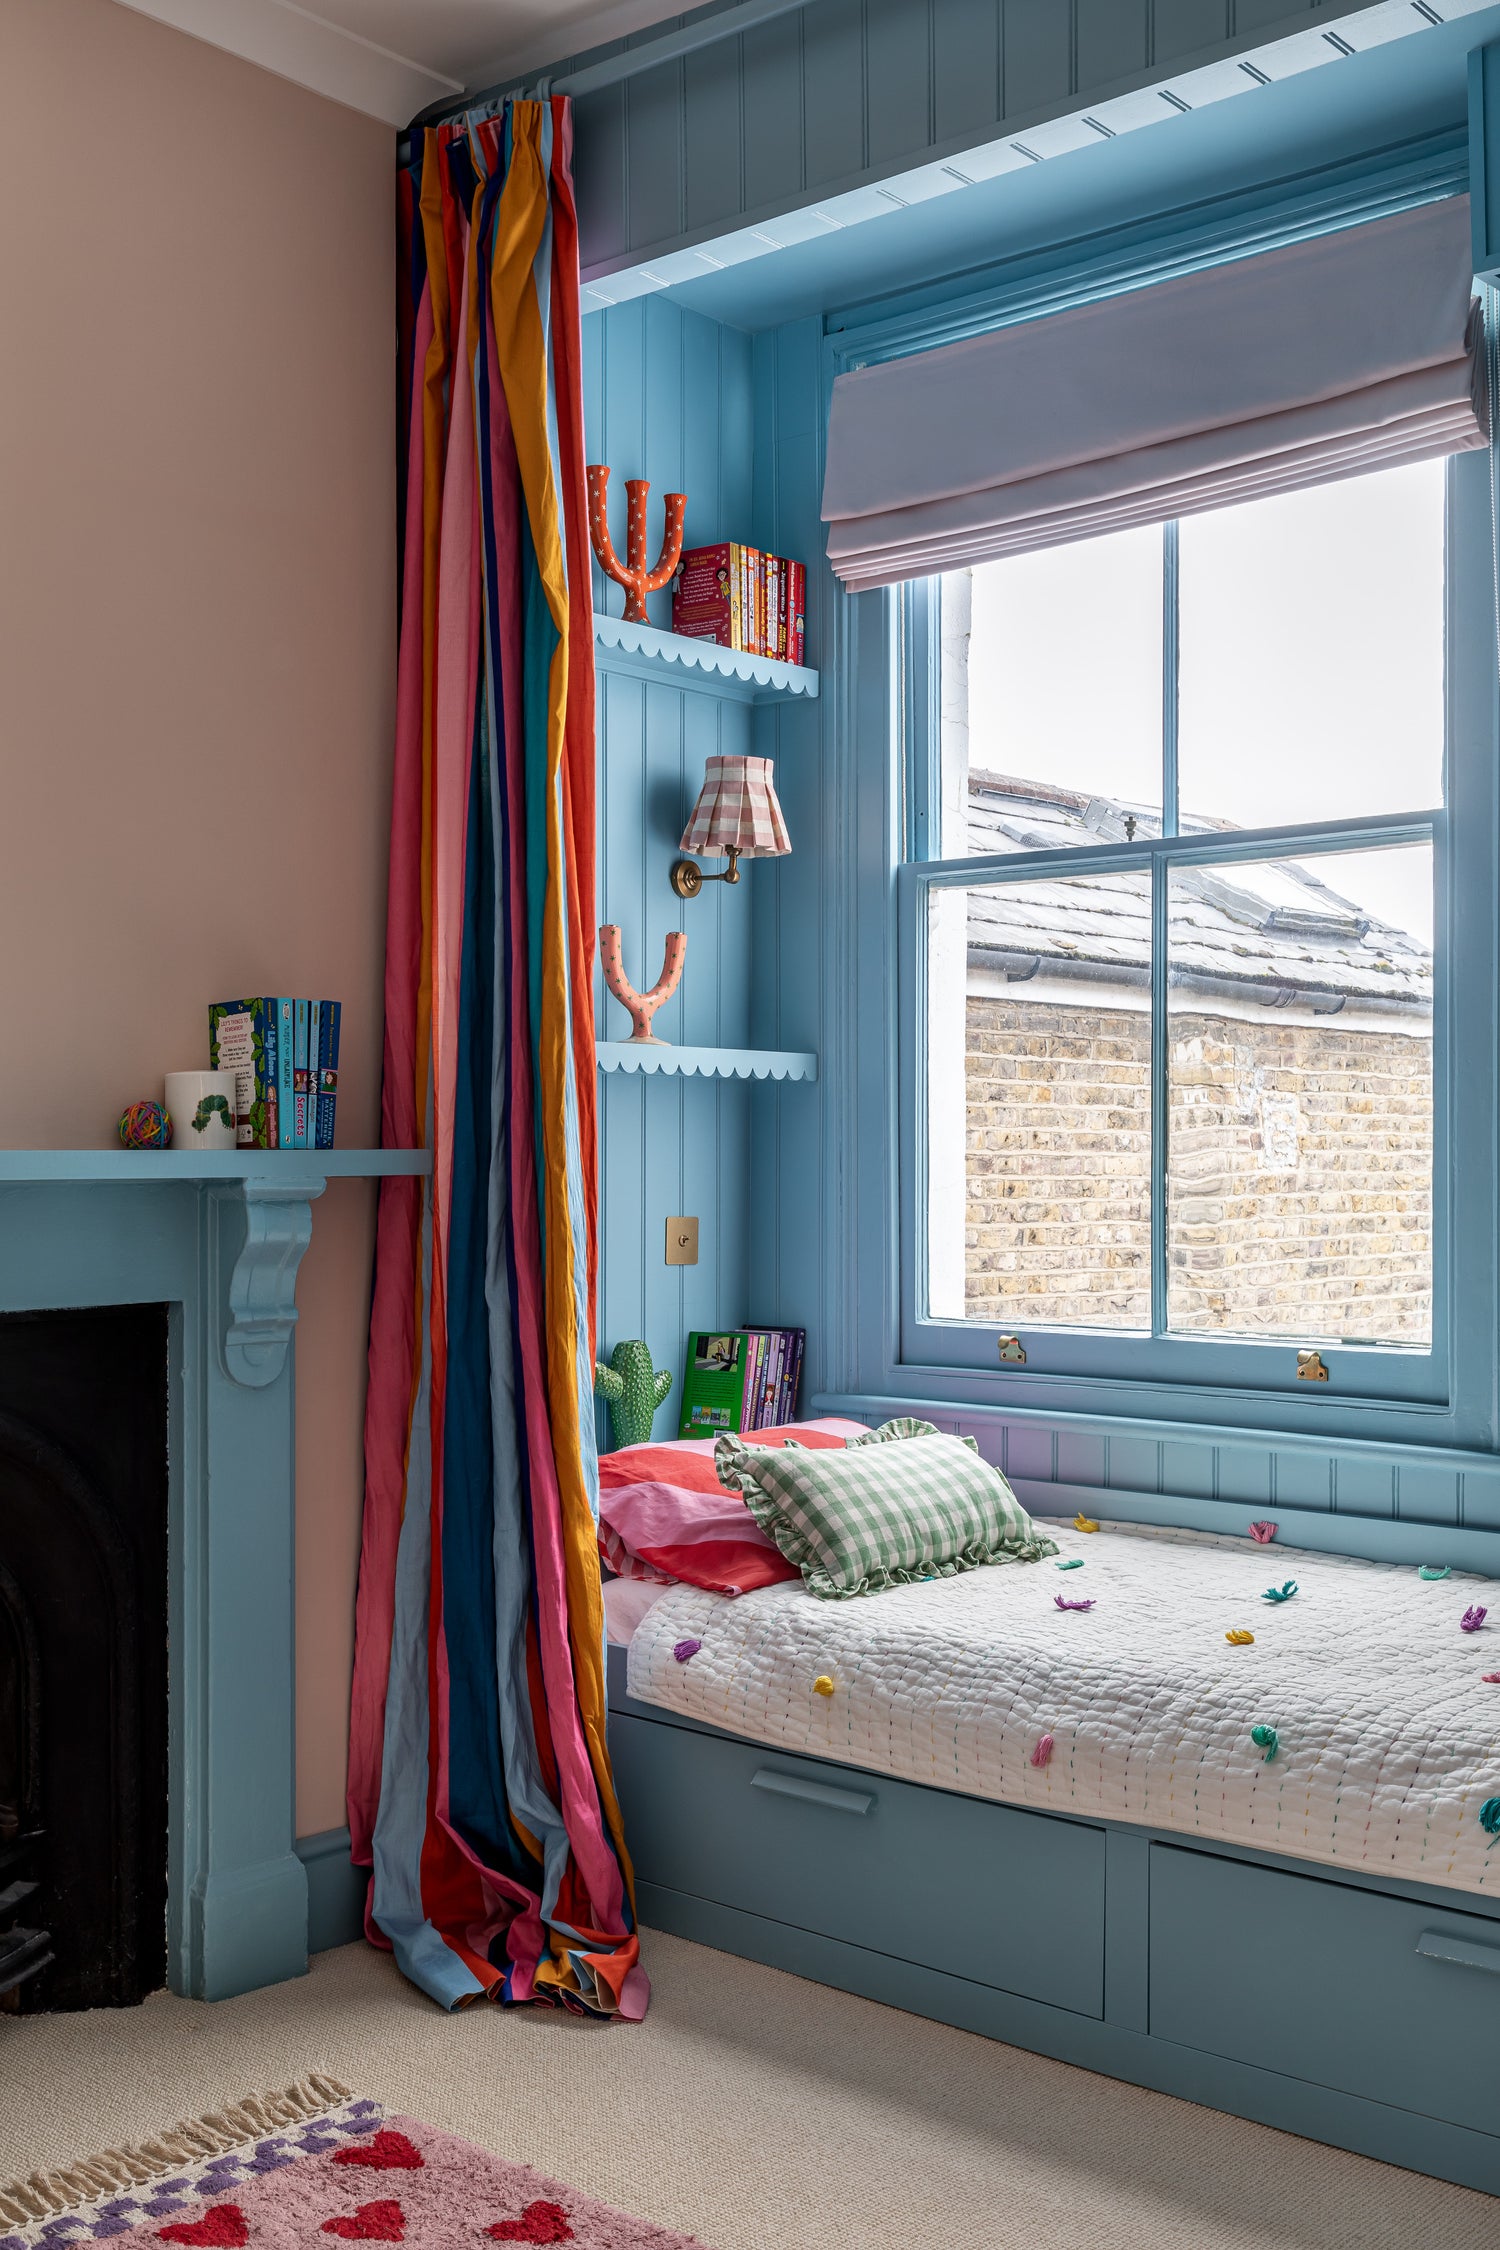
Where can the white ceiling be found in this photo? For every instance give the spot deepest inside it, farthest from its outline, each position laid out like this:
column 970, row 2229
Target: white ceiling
column 391, row 57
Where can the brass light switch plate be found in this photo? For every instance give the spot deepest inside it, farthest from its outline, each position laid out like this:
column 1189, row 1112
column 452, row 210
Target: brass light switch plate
column 682, row 1242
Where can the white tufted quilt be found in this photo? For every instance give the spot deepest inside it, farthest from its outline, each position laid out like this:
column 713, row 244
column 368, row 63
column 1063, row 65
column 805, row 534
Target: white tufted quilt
column 1388, row 1735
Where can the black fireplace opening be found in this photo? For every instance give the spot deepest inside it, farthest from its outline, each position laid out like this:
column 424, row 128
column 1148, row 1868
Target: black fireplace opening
column 83, row 1657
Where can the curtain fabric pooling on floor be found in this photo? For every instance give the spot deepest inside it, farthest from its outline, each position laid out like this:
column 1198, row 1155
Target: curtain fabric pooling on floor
column 480, row 1791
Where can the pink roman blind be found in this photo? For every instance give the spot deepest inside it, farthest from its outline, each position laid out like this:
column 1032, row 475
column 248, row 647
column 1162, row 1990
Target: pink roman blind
column 1356, row 350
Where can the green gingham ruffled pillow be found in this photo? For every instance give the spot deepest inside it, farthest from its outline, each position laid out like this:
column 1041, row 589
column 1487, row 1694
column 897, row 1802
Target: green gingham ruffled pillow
column 900, row 1504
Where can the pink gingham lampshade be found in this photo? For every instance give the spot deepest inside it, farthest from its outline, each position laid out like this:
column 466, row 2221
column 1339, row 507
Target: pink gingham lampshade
column 737, row 810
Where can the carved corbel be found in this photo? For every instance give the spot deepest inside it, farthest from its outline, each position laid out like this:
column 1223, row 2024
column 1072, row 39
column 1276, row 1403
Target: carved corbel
column 262, row 1294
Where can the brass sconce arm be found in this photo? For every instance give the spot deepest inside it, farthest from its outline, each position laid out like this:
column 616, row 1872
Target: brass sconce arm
column 688, row 877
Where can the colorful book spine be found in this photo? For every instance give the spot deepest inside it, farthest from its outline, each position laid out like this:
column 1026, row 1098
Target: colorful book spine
column 765, row 1404
column 300, row 1137
column 314, row 1013
column 763, row 1384
column 755, row 1349
column 799, row 1342
column 796, row 613
column 774, row 1412
column 242, row 1037
column 286, row 1072
column 773, row 605
column 330, row 1023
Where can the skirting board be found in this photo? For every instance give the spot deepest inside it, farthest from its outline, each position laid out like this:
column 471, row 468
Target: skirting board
column 335, row 1890
column 1421, row 2144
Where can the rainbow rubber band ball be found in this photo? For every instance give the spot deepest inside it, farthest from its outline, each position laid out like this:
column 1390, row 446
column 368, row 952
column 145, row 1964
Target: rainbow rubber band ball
column 145, row 1125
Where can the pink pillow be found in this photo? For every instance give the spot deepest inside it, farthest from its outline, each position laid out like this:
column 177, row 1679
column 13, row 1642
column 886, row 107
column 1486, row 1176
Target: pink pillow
column 664, row 1516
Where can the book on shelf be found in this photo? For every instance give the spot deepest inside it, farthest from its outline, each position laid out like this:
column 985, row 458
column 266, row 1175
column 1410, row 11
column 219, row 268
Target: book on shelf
column 741, row 598
column 242, row 1038
column 314, row 1012
column 708, row 594
column 330, row 1021
column 739, row 1379
column 299, row 1135
column 286, row 1076
column 285, row 1056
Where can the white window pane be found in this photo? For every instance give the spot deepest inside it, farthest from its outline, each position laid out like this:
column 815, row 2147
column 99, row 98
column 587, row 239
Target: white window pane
column 1299, row 1058
column 1311, row 664
column 1039, row 1103
column 1052, row 674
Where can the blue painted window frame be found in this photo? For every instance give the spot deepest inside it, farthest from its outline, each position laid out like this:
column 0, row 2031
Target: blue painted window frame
column 1445, row 1396
column 1248, row 1363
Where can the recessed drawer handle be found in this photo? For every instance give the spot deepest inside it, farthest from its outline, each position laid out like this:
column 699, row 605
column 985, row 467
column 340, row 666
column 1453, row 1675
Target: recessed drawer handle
column 1436, row 1945
column 818, row 1793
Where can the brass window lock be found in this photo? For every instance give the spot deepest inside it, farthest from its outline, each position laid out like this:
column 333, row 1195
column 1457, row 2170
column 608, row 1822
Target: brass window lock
column 1012, row 1351
column 1310, row 1368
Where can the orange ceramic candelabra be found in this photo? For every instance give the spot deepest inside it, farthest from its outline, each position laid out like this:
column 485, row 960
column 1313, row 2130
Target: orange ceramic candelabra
column 633, row 574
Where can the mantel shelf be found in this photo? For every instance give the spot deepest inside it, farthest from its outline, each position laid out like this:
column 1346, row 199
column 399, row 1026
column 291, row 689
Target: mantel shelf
column 647, row 652
column 705, row 1062
column 154, row 1166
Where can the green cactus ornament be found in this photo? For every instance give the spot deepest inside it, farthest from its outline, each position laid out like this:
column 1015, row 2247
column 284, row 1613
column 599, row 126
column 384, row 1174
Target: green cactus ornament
column 634, row 1390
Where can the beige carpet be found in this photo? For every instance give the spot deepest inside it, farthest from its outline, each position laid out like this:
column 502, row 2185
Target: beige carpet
column 755, row 2110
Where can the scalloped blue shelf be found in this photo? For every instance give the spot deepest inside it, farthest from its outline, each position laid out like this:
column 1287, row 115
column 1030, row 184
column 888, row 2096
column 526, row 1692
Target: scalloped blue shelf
column 706, row 1062
column 648, row 653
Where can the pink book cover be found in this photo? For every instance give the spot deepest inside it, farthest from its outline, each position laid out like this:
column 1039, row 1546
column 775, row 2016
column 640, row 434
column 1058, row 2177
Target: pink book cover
column 703, row 594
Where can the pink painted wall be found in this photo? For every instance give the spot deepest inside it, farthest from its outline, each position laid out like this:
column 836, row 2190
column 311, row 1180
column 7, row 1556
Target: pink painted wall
column 196, row 639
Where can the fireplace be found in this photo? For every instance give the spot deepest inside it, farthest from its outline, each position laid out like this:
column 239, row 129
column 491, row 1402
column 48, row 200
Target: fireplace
column 146, row 1482
column 83, row 1656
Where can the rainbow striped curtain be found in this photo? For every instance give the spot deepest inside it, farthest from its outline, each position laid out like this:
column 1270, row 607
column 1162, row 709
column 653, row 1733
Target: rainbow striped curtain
column 479, row 1788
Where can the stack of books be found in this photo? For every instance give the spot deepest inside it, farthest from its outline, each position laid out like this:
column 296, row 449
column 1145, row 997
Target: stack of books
column 742, row 598
column 285, row 1059
column 740, row 1379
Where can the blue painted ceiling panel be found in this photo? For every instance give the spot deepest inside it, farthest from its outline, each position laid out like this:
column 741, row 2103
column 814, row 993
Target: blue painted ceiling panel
column 1408, row 89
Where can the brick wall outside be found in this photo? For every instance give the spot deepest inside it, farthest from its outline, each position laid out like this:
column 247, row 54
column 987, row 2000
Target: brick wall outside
column 1301, row 1173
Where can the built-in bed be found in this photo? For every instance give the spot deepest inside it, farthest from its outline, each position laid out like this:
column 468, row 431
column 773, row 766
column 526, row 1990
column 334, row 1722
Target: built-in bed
column 1252, row 1872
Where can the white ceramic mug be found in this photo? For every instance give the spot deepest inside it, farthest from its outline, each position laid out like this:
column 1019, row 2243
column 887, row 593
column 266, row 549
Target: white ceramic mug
column 200, row 1104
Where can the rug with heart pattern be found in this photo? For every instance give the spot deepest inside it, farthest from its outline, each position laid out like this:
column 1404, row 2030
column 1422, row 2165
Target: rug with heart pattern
column 329, row 2165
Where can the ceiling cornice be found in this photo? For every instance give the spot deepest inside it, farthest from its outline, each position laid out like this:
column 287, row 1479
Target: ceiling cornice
column 615, row 20
column 292, row 43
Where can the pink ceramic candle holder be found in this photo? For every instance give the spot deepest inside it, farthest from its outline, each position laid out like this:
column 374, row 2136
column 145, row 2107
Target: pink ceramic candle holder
column 642, row 1006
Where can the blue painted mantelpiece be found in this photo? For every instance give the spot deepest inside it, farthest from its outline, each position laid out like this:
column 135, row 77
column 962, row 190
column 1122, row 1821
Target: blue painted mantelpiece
column 218, row 1239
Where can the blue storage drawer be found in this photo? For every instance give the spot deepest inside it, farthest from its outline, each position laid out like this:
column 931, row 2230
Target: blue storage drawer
column 1342, row 1987
column 1009, row 1899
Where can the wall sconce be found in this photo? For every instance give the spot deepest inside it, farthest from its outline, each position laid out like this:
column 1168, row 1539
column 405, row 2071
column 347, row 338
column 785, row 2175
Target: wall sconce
column 736, row 813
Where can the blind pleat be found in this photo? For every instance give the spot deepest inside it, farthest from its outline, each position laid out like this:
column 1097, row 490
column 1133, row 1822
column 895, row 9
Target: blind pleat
column 1320, row 360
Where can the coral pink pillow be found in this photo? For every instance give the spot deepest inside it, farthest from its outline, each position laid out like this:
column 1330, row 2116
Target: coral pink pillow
column 664, row 1515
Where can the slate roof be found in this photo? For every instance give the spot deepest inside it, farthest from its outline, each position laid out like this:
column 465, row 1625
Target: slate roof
column 1272, row 932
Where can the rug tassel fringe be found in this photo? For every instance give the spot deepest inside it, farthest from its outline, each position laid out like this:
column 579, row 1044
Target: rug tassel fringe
column 114, row 2169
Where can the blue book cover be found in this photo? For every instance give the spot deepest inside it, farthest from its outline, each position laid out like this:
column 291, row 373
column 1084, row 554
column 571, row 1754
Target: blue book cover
column 242, row 1037
column 330, row 1015
column 314, row 1034
column 301, row 1137
column 286, row 1092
